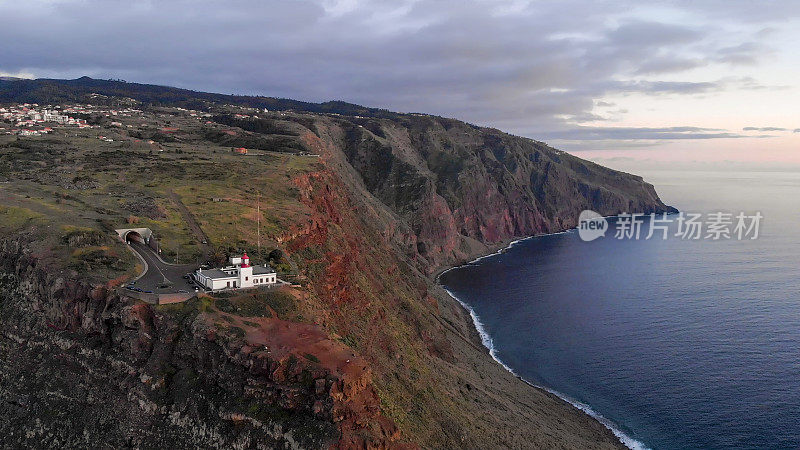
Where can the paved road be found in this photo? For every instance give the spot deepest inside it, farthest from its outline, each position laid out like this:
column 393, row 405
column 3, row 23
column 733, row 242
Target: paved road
column 160, row 273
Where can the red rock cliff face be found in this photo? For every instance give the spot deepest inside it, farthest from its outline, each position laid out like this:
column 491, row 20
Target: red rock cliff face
column 394, row 200
column 453, row 185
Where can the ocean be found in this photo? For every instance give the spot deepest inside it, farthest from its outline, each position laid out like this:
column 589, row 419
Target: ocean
column 674, row 344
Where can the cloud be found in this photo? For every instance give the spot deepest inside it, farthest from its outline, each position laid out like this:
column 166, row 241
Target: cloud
column 525, row 67
column 746, row 53
column 750, row 84
column 667, row 87
column 641, row 133
column 661, row 65
column 17, row 74
column 763, row 129
column 584, row 138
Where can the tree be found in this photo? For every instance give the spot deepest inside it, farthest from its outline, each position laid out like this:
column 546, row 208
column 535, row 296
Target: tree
column 218, row 258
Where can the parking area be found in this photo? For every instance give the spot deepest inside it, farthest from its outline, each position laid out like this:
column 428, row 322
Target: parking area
column 161, row 277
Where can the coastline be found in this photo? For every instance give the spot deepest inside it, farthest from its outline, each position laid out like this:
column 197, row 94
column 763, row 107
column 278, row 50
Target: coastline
column 487, row 342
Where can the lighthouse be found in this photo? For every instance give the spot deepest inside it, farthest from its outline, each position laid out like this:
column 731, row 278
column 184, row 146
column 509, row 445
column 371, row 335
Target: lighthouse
column 245, row 272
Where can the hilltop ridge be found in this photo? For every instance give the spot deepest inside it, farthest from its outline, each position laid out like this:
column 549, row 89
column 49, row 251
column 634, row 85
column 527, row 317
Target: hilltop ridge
column 45, row 90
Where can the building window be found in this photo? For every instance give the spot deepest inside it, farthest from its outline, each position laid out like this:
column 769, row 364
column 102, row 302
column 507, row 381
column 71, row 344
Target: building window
column 245, row 278
column 229, row 284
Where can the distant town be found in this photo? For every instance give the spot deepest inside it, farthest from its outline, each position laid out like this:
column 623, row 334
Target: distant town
column 30, row 119
column 153, row 126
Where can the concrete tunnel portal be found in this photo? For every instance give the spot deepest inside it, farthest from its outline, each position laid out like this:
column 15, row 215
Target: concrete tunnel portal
column 143, row 236
column 133, row 236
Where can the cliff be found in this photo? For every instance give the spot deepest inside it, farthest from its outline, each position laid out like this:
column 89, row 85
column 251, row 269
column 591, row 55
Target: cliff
column 454, row 185
column 365, row 205
column 84, row 366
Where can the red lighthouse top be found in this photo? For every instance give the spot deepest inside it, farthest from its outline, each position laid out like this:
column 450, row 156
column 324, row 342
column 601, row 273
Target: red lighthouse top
column 245, row 260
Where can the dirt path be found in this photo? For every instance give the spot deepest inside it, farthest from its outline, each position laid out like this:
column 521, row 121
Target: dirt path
column 190, row 220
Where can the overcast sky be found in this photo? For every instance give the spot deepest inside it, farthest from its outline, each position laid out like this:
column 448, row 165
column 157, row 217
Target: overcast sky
column 698, row 80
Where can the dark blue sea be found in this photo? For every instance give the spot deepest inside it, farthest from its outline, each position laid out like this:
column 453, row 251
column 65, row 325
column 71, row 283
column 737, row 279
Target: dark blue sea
column 674, row 344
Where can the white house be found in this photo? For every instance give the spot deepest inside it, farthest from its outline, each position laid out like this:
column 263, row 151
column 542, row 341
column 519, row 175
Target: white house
column 239, row 274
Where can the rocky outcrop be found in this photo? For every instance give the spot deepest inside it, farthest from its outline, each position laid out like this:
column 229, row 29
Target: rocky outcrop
column 168, row 376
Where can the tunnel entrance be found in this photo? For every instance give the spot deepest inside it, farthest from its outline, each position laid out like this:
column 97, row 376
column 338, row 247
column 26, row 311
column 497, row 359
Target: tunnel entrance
column 133, row 236
column 142, row 236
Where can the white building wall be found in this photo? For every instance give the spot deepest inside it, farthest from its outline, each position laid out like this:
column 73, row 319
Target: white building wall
column 218, row 283
column 260, row 280
column 245, row 277
column 224, row 283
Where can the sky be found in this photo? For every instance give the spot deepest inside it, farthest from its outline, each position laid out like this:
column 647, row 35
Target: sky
column 714, row 82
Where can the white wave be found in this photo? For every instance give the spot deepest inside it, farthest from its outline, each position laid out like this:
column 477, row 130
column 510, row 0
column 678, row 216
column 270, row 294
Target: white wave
column 626, row 440
column 486, row 340
column 498, row 252
column 503, row 250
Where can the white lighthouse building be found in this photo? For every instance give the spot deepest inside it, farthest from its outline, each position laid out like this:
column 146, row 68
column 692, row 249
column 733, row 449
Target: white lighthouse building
column 239, row 274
